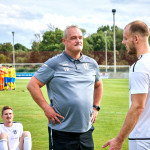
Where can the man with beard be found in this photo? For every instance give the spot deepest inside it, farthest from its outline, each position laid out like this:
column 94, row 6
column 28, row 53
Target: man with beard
column 12, row 136
column 137, row 122
column 75, row 90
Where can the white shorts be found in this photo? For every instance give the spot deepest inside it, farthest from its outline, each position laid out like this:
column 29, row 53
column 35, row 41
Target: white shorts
column 139, row 144
column 4, row 140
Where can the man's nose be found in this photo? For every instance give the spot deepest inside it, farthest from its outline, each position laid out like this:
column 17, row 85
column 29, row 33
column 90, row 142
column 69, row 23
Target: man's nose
column 77, row 39
column 9, row 115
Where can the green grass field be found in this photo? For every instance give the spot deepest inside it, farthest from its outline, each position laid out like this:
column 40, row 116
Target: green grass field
column 114, row 107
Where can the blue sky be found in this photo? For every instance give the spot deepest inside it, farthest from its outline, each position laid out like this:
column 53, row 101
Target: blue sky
column 29, row 17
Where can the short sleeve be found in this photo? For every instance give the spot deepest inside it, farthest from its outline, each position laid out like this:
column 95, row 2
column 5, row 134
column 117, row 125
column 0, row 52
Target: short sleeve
column 139, row 82
column 97, row 73
column 44, row 74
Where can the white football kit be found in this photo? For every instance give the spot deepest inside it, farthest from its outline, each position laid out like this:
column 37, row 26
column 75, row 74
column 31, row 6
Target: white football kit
column 14, row 133
column 139, row 83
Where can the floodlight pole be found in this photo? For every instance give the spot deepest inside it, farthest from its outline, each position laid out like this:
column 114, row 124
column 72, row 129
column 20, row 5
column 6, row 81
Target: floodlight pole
column 114, row 11
column 106, row 49
column 13, row 50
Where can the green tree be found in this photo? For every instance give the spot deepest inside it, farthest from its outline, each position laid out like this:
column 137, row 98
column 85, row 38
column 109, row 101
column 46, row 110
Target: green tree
column 19, row 46
column 97, row 40
column 109, row 41
column 6, row 47
column 119, row 35
column 2, row 58
column 116, row 28
column 119, row 38
column 103, row 28
column 35, row 46
column 83, row 31
column 86, row 46
column 36, row 42
column 52, row 41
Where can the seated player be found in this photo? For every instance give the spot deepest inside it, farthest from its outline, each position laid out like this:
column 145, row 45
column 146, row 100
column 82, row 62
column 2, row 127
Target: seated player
column 12, row 136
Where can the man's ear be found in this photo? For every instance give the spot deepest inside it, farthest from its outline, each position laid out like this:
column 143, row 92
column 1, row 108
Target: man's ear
column 136, row 38
column 63, row 40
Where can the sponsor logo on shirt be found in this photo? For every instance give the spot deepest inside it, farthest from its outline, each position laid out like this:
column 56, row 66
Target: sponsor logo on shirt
column 65, row 66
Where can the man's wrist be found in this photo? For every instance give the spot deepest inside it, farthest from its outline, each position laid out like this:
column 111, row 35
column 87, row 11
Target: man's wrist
column 96, row 107
column 120, row 139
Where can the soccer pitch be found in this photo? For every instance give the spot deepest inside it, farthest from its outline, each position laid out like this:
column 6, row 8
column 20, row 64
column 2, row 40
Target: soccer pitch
column 114, row 107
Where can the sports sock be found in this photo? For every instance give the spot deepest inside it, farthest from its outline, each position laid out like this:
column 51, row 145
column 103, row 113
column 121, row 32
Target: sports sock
column 27, row 143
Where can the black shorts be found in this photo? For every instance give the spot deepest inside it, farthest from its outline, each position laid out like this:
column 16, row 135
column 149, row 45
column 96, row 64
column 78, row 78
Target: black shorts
column 70, row 141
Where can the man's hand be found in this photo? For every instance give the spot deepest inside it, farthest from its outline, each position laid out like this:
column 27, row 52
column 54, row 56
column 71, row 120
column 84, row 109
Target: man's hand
column 114, row 144
column 52, row 115
column 94, row 115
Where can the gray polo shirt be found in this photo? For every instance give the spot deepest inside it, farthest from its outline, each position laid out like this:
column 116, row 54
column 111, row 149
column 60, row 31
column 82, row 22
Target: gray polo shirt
column 70, row 87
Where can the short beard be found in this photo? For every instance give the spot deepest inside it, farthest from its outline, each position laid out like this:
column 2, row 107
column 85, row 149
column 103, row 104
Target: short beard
column 132, row 50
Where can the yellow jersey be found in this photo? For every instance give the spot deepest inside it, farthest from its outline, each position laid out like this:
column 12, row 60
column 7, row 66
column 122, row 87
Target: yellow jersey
column 10, row 72
column 14, row 73
column 5, row 72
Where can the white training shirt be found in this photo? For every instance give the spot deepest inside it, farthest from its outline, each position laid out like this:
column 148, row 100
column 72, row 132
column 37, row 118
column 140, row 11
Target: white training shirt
column 14, row 133
column 139, row 82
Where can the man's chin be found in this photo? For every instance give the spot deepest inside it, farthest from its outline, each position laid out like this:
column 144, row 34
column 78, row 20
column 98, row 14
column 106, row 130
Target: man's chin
column 131, row 53
column 78, row 49
column 9, row 121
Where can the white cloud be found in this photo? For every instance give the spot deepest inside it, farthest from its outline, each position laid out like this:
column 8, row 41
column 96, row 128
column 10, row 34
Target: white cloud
column 33, row 16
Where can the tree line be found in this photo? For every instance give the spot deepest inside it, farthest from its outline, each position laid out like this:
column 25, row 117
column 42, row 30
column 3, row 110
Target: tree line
column 51, row 41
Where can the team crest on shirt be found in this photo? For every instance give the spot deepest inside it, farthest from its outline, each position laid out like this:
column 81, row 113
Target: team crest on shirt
column 15, row 131
column 86, row 67
column 66, row 68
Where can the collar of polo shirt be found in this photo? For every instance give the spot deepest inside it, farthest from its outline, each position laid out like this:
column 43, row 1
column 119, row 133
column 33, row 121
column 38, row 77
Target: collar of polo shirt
column 71, row 58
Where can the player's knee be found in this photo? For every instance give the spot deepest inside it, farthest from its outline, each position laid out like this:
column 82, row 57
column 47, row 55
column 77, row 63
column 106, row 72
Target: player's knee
column 26, row 134
column 3, row 135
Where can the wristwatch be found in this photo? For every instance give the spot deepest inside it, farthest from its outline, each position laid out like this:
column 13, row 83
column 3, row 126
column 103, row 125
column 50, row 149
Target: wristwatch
column 97, row 107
